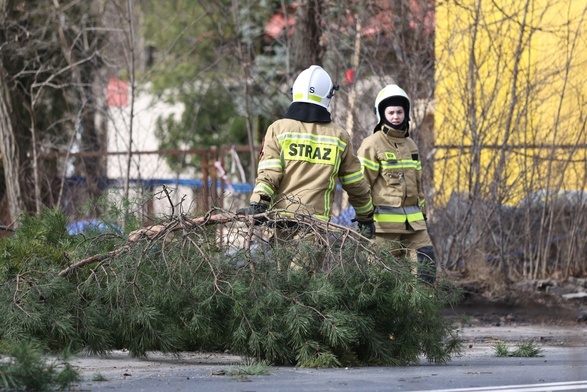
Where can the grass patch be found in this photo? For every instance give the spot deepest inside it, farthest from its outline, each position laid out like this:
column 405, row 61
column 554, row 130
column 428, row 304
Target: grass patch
column 523, row 350
column 249, row 368
column 466, row 320
column 527, row 350
column 501, row 350
column 99, row 378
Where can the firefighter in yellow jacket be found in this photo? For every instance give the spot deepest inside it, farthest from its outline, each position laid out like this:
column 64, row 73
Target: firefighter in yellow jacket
column 392, row 167
column 304, row 154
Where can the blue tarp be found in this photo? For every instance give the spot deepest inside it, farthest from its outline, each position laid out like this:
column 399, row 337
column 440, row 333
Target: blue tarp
column 104, row 183
column 87, row 225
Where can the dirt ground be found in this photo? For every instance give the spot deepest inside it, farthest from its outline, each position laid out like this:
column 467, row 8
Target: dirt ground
column 516, row 307
column 515, row 316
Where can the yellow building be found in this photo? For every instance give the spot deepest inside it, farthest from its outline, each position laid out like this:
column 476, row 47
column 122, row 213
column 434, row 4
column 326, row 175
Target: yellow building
column 511, row 93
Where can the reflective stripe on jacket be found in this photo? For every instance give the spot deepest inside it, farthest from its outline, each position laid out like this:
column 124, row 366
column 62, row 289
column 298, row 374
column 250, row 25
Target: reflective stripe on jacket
column 300, row 163
column 393, row 170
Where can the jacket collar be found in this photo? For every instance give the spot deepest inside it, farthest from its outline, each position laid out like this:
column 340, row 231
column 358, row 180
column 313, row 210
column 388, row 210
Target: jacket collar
column 389, row 131
column 308, row 112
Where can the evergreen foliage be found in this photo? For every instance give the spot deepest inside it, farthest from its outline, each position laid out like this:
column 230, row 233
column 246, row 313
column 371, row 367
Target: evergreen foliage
column 39, row 242
column 27, row 369
column 185, row 290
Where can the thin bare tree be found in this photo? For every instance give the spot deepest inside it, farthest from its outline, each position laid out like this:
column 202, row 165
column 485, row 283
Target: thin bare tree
column 8, row 144
column 510, row 166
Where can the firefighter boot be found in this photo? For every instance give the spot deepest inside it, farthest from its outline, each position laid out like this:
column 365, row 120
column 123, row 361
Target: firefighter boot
column 426, row 264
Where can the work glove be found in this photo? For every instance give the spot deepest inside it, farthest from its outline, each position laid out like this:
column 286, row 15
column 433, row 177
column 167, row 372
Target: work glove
column 366, row 228
column 254, row 208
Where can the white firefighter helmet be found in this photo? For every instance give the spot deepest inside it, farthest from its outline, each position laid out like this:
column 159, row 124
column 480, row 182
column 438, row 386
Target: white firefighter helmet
column 313, row 85
column 392, row 91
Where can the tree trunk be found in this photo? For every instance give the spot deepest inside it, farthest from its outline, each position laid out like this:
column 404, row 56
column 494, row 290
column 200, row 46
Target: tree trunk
column 307, row 46
column 92, row 139
column 8, row 145
column 9, row 151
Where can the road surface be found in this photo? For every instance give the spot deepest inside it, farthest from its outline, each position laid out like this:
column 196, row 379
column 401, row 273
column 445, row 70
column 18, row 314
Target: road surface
column 561, row 366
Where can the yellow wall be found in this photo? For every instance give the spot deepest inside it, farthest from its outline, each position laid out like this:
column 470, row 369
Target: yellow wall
column 511, row 93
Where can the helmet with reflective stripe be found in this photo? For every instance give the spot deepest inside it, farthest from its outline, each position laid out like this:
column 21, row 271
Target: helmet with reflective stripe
column 313, row 85
column 391, row 93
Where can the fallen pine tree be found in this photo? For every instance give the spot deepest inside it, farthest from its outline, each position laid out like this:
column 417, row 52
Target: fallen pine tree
column 212, row 282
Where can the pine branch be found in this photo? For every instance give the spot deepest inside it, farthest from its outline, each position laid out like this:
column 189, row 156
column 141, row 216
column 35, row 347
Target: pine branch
column 154, row 231
column 94, row 259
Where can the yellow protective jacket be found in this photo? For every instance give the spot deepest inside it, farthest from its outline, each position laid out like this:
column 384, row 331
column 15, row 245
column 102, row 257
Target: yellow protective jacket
column 300, row 163
column 393, row 170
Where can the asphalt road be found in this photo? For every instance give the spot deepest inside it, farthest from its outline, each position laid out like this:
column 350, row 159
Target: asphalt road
column 561, row 366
